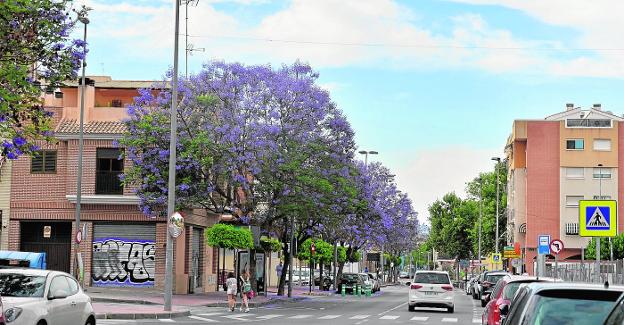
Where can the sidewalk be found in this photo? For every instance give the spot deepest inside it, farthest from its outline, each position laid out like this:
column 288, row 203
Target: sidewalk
column 141, row 303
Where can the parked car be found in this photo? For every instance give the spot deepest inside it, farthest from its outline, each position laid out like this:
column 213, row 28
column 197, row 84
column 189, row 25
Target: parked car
column 367, row 282
column 488, row 283
column 328, row 280
column 476, row 288
column 376, row 284
column 31, row 296
column 470, row 285
column 561, row 303
column 431, row 289
column 502, row 294
column 349, row 281
column 300, row 277
column 616, row 316
column 404, row 275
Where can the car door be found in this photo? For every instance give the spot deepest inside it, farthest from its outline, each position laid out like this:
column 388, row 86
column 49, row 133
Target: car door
column 59, row 310
column 77, row 300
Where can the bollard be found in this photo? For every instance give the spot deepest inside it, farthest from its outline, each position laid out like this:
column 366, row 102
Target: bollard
column 358, row 289
column 368, row 292
column 344, row 290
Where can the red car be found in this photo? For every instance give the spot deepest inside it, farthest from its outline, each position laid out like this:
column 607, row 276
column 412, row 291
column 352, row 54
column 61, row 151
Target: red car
column 502, row 294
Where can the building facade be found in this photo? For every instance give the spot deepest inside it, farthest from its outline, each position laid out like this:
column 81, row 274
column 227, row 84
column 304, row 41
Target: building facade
column 553, row 164
column 120, row 246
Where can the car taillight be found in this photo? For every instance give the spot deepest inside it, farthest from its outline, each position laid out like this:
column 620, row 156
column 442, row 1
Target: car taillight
column 447, row 288
column 415, row 286
column 495, row 314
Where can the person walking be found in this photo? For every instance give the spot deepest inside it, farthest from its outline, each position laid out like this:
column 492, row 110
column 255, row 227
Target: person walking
column 246, row 285
column 232, row 286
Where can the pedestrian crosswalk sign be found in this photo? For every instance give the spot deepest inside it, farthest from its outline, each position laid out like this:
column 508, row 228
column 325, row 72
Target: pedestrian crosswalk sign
column 598, row 218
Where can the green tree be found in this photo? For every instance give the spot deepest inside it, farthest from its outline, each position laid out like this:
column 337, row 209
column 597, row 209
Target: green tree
column 229, row 237
column 605, row 251
column 451, row 220
column 270, row 244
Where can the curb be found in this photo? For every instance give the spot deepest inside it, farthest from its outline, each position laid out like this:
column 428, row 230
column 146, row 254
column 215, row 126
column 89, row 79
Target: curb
column 163, row 315
column 123, row 301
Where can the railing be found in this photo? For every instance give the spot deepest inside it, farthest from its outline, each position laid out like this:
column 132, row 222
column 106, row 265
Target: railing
column 107, row 182
column 584, row 272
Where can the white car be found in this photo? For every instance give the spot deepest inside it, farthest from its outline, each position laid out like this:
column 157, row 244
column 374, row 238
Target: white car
column 31, row 296
column 431, row 289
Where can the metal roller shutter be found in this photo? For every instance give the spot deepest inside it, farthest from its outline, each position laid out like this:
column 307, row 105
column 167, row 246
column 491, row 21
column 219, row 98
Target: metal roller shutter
column 124, row 255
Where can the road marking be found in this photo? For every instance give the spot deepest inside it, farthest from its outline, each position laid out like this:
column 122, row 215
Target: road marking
column 210, row 314
column 300, row 316
column 476, row 321
column 329, row 317
column 236, row 316
column 359, row 317
column 449, row 320
column 202, row 319
column 389, row 317
column 420, row 319
column 269, row 316
column 389, row 310
column 166, row 320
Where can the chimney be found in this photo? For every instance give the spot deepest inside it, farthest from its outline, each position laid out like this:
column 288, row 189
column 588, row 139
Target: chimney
column 569, row 106
column 597, row 106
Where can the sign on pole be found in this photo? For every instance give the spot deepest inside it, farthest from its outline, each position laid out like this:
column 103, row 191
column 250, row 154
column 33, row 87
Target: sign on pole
column 556, row 246
column 598, row 218
column 511, row 252
column 496, row 258
column 543, row 244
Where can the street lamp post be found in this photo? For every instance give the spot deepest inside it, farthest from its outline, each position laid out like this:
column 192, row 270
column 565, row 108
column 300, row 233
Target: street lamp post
column 366, row 153
column 497, row 159
column 82, row 17
column 172, row 163
column 597, row 270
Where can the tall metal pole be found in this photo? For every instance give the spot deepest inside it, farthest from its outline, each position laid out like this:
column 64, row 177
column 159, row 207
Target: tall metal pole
column 597, row 270
column 335, row 265
column 186, row 49
column 82, row 17
column 172, row 162
column 497, row 191
column 480, row 217
column 381, row 267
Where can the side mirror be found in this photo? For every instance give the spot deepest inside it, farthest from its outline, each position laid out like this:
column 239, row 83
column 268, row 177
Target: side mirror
column 58, row 294
column 504, row 310
column 408, row 283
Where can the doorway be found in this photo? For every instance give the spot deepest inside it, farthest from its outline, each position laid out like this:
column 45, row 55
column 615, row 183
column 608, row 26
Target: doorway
column 52, row 238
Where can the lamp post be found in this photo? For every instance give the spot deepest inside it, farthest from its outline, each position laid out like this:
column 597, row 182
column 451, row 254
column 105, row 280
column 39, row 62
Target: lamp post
column 172, row 163
column 366, row 153
column 82, row 17
column 597, row 270
column 480, row 217
column 497, row 159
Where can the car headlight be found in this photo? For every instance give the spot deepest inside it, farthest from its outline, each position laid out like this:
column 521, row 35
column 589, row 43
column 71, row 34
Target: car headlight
column 12, row 314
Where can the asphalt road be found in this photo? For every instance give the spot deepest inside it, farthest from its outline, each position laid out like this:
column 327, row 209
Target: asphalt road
column 388, row 307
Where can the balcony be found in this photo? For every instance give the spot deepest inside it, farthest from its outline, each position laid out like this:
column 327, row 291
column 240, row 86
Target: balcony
column 108, row 182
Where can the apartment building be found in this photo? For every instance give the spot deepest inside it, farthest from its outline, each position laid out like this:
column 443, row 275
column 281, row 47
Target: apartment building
column 553, row 164
column 121, row 246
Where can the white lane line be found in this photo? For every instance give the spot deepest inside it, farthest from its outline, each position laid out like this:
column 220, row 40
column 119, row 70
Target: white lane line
column 166, row 320
column 300, row 316
column 389, row 310
column 389, row 317
column 202, row 319
column 449, row 320
column 476, row 321
column 329, row 317
column 420, row 318
column 237, row 316
column 359, row 317
column 210, row 314
column 269, row 316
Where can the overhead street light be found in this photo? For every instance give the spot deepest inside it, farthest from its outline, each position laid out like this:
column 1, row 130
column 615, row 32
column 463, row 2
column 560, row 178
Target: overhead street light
column 497, row 159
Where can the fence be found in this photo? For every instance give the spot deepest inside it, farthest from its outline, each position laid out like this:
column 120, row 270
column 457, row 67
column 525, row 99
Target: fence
column 584, row 272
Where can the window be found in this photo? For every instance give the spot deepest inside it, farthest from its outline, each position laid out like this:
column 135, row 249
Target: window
column 573, row 200
column 58, row 286
column 602, row 197
column 602, row 172
column 575, row 172
column 588, row 123
column 602, row 144
column 116, row 103
column 575, row 144
column 43, row 161
column 107, row 170
column 73, row 286
column 21, row 285
column 432, row 278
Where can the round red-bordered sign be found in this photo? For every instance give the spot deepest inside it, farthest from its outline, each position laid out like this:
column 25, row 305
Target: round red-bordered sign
column 556, row 246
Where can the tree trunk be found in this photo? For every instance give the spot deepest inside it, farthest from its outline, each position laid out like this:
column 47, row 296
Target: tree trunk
column 285, row 270
column 340, row 267
column 321, row 282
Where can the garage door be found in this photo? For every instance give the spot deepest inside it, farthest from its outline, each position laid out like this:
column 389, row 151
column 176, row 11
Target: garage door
column 124, row 255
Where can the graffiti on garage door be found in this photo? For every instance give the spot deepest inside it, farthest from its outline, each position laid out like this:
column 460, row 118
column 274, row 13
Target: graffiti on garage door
column 123, row 262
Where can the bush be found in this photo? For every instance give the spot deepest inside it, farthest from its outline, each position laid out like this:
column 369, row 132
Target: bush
column 228, row 236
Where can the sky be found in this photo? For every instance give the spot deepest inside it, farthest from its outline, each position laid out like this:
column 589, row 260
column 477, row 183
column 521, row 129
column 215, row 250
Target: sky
column 432, row 85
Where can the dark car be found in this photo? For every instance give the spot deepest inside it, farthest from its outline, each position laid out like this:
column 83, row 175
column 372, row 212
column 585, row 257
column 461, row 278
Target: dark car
column 328, row 280
column 488, row 283
column 349, row 281
column 503, row 293
column 561, row 303
column 616, row 317
column 477, row 288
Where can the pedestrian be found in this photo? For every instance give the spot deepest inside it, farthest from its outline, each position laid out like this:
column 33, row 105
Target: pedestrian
column 278, row 269
column 366, row 269
column 246, row 284
column 231, row 290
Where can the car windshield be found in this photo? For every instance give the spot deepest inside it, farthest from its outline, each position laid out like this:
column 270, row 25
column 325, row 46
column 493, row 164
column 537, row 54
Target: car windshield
column 571, row 307
column 510, row 290
column 21, row 285
column 493, row 278
column 432, row 278
column 349, row 277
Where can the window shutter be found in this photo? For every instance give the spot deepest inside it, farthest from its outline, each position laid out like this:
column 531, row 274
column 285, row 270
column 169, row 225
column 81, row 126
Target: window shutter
column 36, row 162
column 50, row 161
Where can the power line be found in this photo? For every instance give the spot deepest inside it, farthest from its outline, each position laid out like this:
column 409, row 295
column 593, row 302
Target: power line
column 396, row 45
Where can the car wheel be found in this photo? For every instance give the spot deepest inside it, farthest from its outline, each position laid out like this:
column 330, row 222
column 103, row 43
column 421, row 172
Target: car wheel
column 483, row 303
column 451, row 309
column 90, row 321
column 474, row 296
column 410, row 308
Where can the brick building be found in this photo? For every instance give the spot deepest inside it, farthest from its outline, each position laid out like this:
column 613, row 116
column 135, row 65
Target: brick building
column 122, row 247
column 553, row 164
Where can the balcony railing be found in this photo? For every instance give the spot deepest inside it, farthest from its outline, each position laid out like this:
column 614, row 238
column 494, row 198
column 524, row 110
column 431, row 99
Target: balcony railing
column 107, row 182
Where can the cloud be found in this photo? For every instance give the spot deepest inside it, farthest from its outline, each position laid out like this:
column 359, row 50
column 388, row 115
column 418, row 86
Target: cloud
column 427, row 174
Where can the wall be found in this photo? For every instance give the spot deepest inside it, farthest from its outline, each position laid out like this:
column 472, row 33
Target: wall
column 543, row 199
column 5, row 202
column 589, row 157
